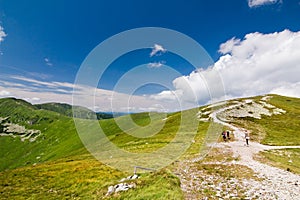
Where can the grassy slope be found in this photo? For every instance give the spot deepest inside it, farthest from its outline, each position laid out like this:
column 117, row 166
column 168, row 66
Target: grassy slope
column 82, row 178
column 287, row 159
column 283, row 129
column 67, row 110
column 60, row 145
column 158, row 185
column 160, row 139
column 58, row 139
column 77, row 177
column 278, row 129
column 56, row 166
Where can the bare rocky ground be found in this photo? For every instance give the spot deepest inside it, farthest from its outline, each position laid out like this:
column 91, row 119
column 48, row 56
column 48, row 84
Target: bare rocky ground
column 237, row 175
column 15, row 130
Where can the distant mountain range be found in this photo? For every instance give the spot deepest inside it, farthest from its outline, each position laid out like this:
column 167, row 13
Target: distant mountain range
column 77, row 111
column 61, row 108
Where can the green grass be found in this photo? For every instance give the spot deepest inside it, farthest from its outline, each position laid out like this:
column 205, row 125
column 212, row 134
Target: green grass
column 283, row 129
column 82, row 177
column 72, row 178
column 59, row 139
column 133, row 139
column 158, row 185
column 287, row 159
column 57, row 165
column 276, row 129
column 141, row 119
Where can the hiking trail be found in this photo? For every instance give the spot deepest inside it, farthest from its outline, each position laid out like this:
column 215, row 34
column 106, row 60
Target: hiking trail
column 272, row 183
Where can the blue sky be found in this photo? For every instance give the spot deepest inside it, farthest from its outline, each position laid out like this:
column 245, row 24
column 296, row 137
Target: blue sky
column 43, row 43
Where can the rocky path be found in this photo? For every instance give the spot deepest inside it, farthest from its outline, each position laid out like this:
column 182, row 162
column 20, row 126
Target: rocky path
column 272, row 183
column 276, row 183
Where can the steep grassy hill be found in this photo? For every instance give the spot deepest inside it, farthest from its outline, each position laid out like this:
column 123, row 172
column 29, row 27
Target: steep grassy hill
column 58, row 137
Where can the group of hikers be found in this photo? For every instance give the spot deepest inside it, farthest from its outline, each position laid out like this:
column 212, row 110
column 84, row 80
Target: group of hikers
column 226, row 136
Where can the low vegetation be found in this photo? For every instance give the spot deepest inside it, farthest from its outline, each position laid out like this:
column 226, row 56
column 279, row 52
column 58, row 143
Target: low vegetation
column 80, row 177
column 157, row 185
column 281, row 129
column 287, row 159
column 57, row 165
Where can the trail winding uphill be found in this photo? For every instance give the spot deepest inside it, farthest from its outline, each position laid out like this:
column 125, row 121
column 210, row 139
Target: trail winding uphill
column 272, row 183
column 276, row 183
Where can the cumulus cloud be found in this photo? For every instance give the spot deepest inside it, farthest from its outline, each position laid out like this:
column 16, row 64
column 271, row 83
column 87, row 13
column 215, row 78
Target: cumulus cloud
column 260, row 63
column 157, row 49
column 227, row 46
column 289, row 89
column 257, row 64
column 2, row 34
column 193, row 90
column 254, row 65
column 166, row 96
column 256, row 3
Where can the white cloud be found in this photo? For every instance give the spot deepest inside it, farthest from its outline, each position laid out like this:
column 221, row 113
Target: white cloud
column 36, row 91
column 256, row 3
column 2, row 34
column 4, row 93
column 35, row 99
column 227, row 46
column 156, row 64
column 48, row 62
column 51, row 85
column 289, row 89
column 157, row 49
column 254, row 65
column 257, row 64
column 260, row 63
column 165, row 96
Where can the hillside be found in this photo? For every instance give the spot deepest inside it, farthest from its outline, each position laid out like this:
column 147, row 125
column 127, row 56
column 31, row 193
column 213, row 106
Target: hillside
column 67, row 110
column 254, row 170
column 58, row 158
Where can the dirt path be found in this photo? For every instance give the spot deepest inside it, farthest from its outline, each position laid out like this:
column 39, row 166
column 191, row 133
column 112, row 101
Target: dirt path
column 276, row 182
column 272, row 183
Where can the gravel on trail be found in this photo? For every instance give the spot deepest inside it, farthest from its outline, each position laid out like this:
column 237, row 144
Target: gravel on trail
column 271, row 182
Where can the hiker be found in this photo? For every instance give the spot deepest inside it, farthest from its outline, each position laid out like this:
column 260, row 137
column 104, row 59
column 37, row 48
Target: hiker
column 247, row 137
column 224, row 136
column 228, row 135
